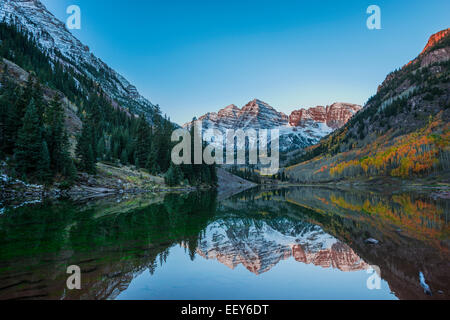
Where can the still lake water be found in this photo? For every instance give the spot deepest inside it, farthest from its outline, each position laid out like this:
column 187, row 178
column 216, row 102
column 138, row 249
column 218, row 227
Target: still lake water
column 289, row 243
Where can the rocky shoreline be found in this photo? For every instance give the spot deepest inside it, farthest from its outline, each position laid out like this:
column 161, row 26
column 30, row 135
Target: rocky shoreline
column 87, row 187
column 108, row 182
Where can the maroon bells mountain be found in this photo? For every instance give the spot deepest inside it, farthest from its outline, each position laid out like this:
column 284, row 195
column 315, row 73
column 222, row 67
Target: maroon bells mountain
column 334, row 116
column 304, row 127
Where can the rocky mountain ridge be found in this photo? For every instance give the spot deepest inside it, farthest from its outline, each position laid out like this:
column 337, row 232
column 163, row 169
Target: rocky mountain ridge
column 302, row 128
column 335, row 116
column 434, row 39
column 54, row 39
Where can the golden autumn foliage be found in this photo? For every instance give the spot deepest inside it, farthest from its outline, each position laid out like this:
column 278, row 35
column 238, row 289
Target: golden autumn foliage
column 420, row 219
column 322, row 169
column 411, row 154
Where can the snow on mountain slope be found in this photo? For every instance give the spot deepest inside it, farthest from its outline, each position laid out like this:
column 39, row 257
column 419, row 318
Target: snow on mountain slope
column 53, row 37
column 259, row 246
column 300, row 130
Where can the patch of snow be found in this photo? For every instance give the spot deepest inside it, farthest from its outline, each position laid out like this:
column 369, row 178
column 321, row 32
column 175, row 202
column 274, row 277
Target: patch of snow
column 4, row 177
column 27, row 203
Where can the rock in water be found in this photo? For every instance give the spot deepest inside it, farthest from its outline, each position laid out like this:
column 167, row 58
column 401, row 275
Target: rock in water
column 371, row 241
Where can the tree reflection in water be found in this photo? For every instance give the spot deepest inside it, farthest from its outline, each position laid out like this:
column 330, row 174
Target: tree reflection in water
column 114, row 242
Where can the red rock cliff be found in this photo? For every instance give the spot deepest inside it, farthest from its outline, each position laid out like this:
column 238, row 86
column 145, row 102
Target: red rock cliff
column 335, row 116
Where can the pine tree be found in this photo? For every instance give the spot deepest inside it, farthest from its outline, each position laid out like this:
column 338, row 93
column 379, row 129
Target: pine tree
column 213, row 174
column 124, row 157
column 173, row 176
column 39, row 101
column 29, row 142
column 143, row 143
column 25, row 98
column 57, row 138
column 84, row 148
column 152, row 164
column 155, row 169
column 136, row 159
column 101, row 148
column 4, row 106
column 10, row 121
column 178, row 175
column 70, row 172
column 43, row 169
column 89, row 161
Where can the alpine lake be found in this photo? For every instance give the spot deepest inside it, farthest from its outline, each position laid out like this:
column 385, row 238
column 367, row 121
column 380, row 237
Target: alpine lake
column 274, row 243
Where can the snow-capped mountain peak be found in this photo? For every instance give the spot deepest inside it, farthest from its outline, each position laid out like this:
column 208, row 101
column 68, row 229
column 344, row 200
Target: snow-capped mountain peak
column 301, row 129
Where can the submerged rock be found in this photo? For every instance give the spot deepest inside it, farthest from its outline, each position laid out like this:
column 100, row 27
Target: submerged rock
column 372, row 241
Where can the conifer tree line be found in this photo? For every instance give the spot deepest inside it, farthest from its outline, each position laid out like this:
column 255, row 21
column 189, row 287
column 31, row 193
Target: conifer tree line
column 248, row 173
column 194, row 174
column 33, row 133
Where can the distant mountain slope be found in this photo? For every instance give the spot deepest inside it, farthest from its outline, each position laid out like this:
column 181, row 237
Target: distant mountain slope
column 20, row 76
column 297, row 131
column 60, row 44
column 402, row 131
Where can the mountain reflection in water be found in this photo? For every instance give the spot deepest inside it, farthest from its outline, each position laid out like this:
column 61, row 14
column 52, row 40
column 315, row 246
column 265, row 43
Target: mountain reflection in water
column 122, row 245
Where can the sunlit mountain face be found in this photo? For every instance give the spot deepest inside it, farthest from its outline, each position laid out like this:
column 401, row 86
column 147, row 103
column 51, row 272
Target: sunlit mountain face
column 302, row 128
column 298, row 242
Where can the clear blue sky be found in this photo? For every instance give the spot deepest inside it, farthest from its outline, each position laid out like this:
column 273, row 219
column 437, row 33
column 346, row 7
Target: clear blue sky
column 191, row 57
